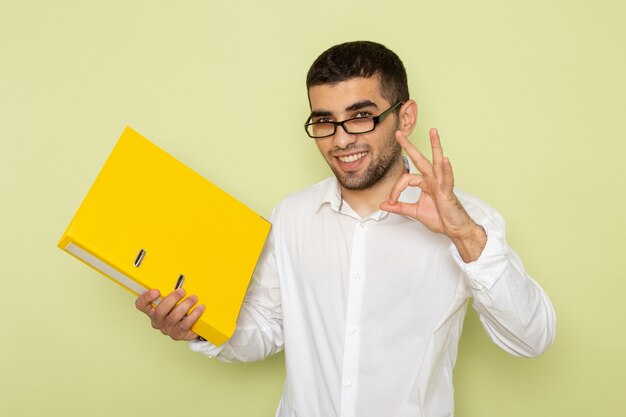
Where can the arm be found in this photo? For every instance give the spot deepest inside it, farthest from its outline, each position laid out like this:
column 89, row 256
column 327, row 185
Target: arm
column 513, row 309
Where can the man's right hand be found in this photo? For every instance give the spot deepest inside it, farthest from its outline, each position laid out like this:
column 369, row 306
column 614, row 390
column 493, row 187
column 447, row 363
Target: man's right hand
column 171, row 316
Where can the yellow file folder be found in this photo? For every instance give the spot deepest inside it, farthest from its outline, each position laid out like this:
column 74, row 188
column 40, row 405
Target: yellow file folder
column 149, row 221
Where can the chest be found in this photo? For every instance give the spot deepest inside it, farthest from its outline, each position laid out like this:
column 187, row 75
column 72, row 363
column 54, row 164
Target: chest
column 391, row 267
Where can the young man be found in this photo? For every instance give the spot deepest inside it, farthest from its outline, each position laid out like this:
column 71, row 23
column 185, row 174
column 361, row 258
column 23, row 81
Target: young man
column 366, row 276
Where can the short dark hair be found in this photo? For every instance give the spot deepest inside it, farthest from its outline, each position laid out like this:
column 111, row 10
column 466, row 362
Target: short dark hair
column 361, row 59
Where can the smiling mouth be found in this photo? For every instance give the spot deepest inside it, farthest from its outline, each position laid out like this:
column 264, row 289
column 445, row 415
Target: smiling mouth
column 352, row 158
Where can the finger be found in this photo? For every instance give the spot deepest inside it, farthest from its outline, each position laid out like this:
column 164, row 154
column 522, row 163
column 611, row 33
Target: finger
column 144, row 301
column 406, row 180
column 179, row 311
column 150, row 310
column 421, row 162
column 405, row 209
column 448, row 174
column 188, row 321
column 437, row 150
column 435, row 143
column 166, row 305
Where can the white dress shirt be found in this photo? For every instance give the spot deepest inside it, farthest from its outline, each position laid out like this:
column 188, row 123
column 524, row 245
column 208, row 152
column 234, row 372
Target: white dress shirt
column 370, row 310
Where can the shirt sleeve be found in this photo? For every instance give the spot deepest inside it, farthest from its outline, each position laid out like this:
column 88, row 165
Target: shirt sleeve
column 513, row 309
column 259, row 332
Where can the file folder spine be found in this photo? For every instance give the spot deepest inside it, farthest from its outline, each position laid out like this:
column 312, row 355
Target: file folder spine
column 212, row 332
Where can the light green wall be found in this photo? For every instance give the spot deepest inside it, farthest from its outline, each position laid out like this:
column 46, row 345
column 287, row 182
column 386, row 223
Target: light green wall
column 530, row 100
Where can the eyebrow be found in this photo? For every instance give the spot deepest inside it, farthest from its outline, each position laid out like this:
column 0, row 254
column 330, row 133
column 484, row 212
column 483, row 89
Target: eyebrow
column 359, row 105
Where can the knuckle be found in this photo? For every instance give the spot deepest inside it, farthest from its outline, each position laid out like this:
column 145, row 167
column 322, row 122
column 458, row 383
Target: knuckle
column 157, row 315
column 176, row 333
column 195, row 315
column 166, row 330
column 188, row 303
column 186, row 324
column 171, row 320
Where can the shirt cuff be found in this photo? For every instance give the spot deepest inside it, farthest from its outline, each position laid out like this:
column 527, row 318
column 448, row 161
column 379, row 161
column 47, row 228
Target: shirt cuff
column 485, row 271
column 206, row 348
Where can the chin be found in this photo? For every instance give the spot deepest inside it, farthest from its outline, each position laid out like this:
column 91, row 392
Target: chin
column 355, row 183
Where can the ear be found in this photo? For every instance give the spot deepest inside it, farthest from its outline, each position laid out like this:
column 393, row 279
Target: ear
column 407, row 117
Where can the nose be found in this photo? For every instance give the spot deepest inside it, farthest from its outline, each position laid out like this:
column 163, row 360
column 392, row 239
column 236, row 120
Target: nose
column 341, row 138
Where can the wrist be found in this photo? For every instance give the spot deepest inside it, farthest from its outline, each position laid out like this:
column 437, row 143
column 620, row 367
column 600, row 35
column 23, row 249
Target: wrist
column 470, row 243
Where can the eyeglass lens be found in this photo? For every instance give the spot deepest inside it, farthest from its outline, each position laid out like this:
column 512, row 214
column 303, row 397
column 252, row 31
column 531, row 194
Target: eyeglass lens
column 358, row 125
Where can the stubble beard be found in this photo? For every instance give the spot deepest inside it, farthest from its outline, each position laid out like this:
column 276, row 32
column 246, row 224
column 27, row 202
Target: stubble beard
column 375, row 172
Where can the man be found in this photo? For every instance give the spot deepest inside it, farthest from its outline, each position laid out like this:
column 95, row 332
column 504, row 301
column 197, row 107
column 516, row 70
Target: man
column 366, row 276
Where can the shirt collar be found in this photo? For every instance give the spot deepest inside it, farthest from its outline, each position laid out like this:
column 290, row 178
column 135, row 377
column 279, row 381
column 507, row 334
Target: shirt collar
column 332, row 194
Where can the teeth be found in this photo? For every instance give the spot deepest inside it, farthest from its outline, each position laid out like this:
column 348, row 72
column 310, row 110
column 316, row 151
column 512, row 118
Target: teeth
column 352, row 158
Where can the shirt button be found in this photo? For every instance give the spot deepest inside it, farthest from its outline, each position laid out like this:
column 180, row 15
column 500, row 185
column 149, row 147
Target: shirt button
column 349, row 385
column 357, row 276
column 354, row 330
column 361, row 225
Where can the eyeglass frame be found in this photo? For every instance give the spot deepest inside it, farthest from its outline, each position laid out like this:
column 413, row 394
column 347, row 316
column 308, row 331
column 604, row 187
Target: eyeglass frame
column 377, row 119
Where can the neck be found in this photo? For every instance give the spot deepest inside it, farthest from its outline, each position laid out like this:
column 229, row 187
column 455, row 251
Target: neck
column 365, row 202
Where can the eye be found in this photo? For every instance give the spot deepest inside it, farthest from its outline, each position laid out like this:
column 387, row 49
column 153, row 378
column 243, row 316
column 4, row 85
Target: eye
column 321, row 120
column 363, row 114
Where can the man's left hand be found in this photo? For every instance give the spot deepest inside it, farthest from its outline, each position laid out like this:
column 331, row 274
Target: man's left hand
column 437, row 208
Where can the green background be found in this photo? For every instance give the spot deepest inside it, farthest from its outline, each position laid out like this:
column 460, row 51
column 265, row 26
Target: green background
column 530, row 100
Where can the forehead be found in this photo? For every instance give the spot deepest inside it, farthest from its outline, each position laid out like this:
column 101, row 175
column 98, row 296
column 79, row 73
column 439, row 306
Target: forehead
column 338, row 96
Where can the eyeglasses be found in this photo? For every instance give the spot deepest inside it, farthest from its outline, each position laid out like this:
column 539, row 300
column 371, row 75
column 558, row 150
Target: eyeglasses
column 353, row 126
